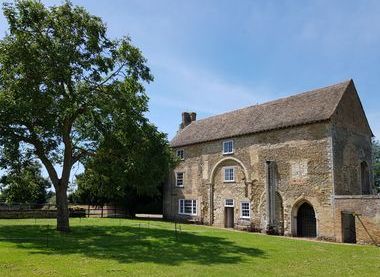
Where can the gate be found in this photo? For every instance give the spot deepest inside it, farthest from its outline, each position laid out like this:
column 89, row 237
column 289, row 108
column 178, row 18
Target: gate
column 306, row 223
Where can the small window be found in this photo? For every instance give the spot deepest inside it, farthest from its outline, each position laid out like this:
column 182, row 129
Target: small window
column 179, row 180
column 245, row 210
column 228, row 203
column 229, row 174
column 366, row 186
column 228, row 147
column 188, row 207
column 180, row 154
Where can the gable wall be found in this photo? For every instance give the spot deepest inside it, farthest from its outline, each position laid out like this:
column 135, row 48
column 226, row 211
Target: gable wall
column 351, row 144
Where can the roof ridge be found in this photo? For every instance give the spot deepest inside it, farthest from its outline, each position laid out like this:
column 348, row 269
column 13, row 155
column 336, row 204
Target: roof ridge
column 347, row 82
column 302, row 108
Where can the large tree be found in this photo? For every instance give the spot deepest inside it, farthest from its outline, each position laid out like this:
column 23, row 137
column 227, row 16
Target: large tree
column 65, row 87
column 127, row 170
column 25, row 184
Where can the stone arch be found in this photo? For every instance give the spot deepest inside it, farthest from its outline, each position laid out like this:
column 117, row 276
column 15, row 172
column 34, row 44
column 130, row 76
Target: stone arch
column 212, row 173
column 212, row 179
column 303, row 205
column 279, row 213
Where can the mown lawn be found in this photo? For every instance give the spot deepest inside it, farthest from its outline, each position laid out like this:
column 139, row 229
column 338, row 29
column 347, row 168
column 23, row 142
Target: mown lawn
column 113, row 247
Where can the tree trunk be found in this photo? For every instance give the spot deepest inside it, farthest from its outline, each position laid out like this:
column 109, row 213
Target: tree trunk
column 62, row 209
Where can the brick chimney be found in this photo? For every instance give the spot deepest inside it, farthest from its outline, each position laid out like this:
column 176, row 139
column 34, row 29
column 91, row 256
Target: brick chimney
column 187, row 118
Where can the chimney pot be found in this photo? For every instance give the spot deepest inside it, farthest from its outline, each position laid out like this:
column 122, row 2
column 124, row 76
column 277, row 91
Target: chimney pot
column 193, row 116
column 186, row 119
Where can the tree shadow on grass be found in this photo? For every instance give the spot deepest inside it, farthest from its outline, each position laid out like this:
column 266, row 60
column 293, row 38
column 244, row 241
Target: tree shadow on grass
column 129, row 244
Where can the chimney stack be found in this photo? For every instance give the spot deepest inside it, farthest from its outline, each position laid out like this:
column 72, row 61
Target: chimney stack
column 187, row 118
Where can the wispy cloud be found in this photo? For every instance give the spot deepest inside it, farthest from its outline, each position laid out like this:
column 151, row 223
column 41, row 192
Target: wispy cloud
column 196, row 89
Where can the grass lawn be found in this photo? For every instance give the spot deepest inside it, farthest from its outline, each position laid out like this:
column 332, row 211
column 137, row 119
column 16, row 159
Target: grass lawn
column 113, row 247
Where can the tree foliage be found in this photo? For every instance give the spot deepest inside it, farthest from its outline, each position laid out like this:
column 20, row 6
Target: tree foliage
column 376, row 163
column 65, row 89
column 25, row 185
column 127, row 170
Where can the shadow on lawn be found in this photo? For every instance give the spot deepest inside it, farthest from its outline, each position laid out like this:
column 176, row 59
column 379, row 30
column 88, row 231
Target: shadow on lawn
column 128, row 244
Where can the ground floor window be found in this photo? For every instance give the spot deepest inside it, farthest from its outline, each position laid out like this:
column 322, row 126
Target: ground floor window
column 188, row 207
column 245, row 209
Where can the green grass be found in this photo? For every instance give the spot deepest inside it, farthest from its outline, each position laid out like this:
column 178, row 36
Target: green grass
column 113, row 247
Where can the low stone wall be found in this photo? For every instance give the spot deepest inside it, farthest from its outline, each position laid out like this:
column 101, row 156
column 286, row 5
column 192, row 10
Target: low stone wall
column 14, row 214
column 366, row 209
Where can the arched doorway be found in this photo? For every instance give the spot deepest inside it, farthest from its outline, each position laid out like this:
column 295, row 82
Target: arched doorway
column 306, row 222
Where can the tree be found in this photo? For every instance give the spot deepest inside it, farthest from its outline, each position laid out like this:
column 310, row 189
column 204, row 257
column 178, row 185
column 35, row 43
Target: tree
column 25, row 185
column 376, row 163
column 65, row 88
column 127, row 170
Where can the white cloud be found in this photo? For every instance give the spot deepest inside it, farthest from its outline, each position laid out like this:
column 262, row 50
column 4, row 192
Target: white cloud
column 196, row 89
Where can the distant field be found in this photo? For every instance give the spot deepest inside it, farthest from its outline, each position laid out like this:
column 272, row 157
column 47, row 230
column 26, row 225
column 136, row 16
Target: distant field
column 113, row 247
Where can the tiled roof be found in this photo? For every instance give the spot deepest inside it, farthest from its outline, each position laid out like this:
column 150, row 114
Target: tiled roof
column 308, row 107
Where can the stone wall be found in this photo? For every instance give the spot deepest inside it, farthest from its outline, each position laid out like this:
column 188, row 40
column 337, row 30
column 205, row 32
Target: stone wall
column 367, row 221
column 351, row 144
column 303, row 156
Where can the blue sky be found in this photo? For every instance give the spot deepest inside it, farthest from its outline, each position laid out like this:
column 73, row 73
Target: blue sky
column 216, row 56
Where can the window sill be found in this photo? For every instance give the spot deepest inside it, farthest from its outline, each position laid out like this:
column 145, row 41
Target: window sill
column 187, row 214
column 227, row 153
column 245, row 217
column 229, row 182
column 180, row 187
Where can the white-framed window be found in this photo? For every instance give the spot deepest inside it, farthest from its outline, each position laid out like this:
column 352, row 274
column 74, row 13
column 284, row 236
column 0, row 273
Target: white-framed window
column 179, row 179
column 229, row 174
column 180, row 154
column 245, row 211
column 229, row 203
column 228, row 147
column 188, row 207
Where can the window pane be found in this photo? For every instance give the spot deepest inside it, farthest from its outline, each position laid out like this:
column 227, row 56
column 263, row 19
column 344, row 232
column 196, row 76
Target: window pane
column 245, row 211
column 228, row 147
column 179, row 179
column 229, row 174
column 229, row 203
column 180, row 154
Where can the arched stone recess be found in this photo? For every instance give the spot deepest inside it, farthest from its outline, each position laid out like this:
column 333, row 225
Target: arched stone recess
column 303, row 202
column 212, row 173
column 279, row 213
column 219, row 191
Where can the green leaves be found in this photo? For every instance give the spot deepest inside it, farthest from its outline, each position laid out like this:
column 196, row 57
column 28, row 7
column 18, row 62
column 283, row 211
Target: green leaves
column 129, row 164
column 24, row 184
column 61, row 76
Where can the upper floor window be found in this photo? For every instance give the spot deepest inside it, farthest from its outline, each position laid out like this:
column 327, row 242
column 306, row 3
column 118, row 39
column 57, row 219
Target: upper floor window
column 245, row 211
column 179, row 179
column 180, row 154
column 188, row 207
column 229, row 174
column 228, row 147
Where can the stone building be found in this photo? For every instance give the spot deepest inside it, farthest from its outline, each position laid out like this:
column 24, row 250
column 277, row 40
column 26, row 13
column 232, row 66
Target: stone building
column 298, row 166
